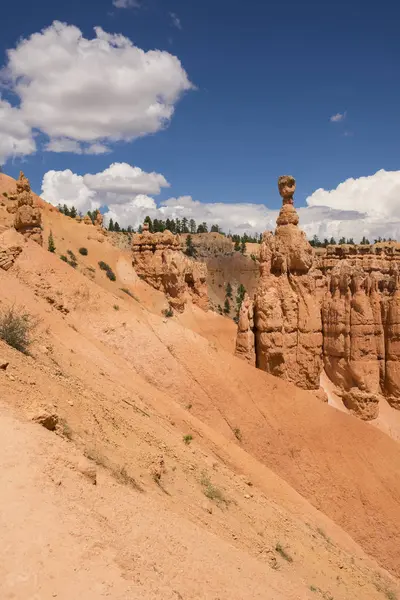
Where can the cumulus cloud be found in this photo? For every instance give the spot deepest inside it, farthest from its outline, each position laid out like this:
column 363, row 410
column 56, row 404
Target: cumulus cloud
column 374, row 198
column 366, row 206
column 15, row 136
column 78, row 90
column 338, row 117
column 176, row 22
column 126, row 3
column 121, row 187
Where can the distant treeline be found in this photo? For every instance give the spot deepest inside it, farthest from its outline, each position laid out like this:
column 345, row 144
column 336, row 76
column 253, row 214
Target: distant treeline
column 183, row 225
column 189, row 226
column 317, row 243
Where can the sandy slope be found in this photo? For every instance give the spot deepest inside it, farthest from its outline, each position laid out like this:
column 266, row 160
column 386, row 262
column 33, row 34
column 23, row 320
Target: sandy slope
column 127, row 384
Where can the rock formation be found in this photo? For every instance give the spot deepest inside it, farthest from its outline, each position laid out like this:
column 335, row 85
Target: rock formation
column 287, row 317
column 245, row 334
column 338, row 310
column 158, row 259
column 28, row 217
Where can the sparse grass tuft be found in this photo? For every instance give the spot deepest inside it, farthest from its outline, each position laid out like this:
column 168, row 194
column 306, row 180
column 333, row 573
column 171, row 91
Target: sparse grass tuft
column 210, row 491
column 238, row 434
column 65, row 429
column 187, row 439
column 280, row 550
column 72, row 259
column 126, row 291
column 123, row 476
column 83, row 251
column 323, row 534
column 16, row 328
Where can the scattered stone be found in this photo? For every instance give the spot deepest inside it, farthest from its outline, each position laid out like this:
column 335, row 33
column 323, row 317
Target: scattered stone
column 3, row 366
column 46, row 419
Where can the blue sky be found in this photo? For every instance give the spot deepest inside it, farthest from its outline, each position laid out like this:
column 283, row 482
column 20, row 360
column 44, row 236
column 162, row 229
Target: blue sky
column 268, row 76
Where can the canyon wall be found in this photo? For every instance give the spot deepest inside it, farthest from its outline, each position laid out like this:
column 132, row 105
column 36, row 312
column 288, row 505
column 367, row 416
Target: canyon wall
column 337, row 310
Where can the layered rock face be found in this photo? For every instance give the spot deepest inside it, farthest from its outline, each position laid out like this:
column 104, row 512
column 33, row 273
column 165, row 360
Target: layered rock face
column 361, row 319
column 339, row 310
column 158, row 259
column 28, row 218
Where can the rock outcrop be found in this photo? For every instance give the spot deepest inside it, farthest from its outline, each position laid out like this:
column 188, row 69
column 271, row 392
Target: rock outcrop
column 287, row 317
column 28, row 218
column 338, row 310
column 158, row 259
column 245, row 347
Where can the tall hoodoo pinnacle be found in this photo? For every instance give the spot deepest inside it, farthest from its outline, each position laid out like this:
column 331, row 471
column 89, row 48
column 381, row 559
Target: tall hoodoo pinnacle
column 288, row 214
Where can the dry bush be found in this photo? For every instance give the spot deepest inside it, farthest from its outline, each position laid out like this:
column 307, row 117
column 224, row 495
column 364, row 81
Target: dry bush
column 16, row 328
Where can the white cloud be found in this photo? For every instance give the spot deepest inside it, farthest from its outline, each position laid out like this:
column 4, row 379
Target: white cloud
column 366, row 206
column 176, row 22
column 97, row 149
column 78, row 90
column 66, row 145
column 338, row 117
column 123, row 188
column 63, row 145
column 65, row 187
column 126, row 3
column 15, row 136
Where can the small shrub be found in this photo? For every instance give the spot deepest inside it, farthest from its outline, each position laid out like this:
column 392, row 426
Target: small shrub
column 168, row 312
column 283, row 553
column 126, row 291
column 5, row 194
column 238, row 433
column 104, row 266
column 64, row 258
column 187, row 439
column 189, row 406
column 72, row 259
column 116, row 307
column 83, row 251
column 323, row 534
column 16, row 327
column 51, row 247
column 210, row 491
column 111, row 275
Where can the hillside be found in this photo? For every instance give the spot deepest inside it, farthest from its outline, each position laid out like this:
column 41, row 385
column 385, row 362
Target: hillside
column 276, row 495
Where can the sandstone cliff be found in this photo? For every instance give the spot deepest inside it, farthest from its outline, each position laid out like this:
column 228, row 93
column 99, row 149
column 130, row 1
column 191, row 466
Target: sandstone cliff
column 338, row 310
column 158, row 259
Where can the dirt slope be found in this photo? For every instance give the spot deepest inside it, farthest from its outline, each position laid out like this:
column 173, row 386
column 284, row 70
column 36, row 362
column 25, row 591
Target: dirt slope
column 127, row 385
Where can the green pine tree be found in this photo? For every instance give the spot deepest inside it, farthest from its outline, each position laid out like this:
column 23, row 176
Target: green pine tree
column 227, row 307
column 51, row 247
column 190, row 248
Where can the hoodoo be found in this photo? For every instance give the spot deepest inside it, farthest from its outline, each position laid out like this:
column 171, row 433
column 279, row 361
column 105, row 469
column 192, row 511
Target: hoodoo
column 338, row 311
